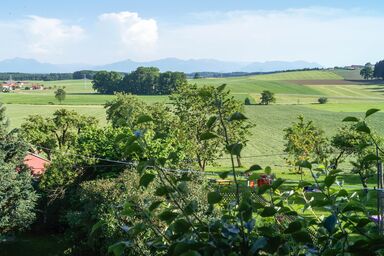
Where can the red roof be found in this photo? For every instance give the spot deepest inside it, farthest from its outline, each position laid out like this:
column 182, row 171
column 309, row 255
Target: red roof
column 36, row 164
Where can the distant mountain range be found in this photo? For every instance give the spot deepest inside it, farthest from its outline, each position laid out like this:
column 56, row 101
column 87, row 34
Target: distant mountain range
column 168, row 64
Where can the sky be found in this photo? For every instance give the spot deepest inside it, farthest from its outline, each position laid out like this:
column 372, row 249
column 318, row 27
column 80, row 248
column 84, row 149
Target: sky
column 331, row 33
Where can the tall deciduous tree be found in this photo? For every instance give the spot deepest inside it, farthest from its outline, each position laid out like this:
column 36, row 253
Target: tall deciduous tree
column 107, row 82
column 367, row 71
column 60, row 95
column 305, row 141
column 379, row 70
column 197, row 110
column 57, row 132
column 267, row 97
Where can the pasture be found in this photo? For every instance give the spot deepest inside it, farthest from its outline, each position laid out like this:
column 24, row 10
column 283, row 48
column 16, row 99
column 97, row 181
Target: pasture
column 296, row 94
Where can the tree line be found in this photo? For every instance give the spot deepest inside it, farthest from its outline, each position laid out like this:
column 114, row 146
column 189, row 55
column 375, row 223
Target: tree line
column 142, row 81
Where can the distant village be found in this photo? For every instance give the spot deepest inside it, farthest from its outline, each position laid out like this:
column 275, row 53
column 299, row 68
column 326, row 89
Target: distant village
column 10, row 85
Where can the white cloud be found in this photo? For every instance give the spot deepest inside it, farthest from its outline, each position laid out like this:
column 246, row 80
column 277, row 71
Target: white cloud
column 325, row 35
column 48, row 37
column 135, row 35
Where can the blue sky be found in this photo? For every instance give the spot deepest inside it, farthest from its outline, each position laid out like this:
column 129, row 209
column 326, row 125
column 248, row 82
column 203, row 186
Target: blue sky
column 103, row 31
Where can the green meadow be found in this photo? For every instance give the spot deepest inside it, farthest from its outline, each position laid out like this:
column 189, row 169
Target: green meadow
column 293, row 99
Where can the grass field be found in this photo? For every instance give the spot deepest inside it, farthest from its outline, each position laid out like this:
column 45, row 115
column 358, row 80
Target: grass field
column 293, row 99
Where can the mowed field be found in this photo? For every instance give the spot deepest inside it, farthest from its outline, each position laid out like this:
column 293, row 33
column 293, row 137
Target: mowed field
column 296, row 94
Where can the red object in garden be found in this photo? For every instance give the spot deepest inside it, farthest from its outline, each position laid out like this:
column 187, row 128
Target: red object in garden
column 263, row 180
column 36, row 164
column 251, row 183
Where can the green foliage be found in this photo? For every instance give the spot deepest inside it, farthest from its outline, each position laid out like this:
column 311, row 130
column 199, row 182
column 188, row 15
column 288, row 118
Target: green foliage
column 57, row 132
column 367, row 71
column 17, row 196
column 322, row 100
column 198, row 119
column 304, row 142
column 267, row 97
column 379, row 70
column 17, row 199
column 60, row 95
column 247, row 101
column 106, row 82
column 142, row 81
column 4, row 121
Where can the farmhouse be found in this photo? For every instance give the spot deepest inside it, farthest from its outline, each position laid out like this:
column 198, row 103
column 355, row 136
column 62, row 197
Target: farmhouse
column 36, row 164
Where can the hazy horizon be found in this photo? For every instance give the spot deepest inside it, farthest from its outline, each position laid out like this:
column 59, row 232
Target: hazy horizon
column 331, row 34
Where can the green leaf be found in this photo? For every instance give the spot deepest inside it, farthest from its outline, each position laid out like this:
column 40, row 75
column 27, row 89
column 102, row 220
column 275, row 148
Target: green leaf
column 260, row 243
column 208, row 136
column 97, row 226
column 117, row 249
column 191, row 207
column 221, row 87
column 214, row 197
column 142, row 166
column 293, row 227
column 224, row 175
column 237, row 116
column 342, row 193
column 350, row 119
column 329, row 180
column 268, row 170
column 371, row 157
column 168, row 216
column 134, row 148
column 277, row 183
column 144, row 119
column 211, row 121
column 371, row 112
column 163, row 190
column 268, row 212
column 181, row 226
column 146, row 179
column 330, row 223
column 154, row 205
column 362, row 222
column 362, row 127
column 302, row 237
column 354, row 207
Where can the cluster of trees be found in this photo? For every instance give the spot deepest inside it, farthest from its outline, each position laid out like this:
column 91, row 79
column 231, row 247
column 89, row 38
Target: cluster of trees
column 370, row 71
column 127, row 188
column 142, row 81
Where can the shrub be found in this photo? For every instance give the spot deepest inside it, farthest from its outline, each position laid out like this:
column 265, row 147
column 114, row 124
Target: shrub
column 27, row 88
column 322, row 100
column 247, row 101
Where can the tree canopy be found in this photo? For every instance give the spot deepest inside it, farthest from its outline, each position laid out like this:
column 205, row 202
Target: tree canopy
column 142, row 81
column 367, row 71
column 379, row 70
column 267, row 97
